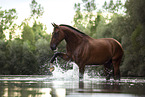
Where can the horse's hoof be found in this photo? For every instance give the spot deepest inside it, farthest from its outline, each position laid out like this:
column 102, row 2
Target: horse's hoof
column 51, row 69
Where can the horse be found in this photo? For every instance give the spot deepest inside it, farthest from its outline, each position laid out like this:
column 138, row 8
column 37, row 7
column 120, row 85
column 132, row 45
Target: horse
column 84, row 50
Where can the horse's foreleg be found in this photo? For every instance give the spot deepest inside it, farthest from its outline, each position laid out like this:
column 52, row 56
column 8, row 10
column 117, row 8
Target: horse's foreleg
column 61, row 55
column 53, row 58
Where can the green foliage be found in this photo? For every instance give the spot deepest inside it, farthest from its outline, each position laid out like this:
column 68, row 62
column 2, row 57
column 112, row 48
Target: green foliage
column 39, row 30
column 89, row 5
column 15, row 55
column 36, row 9
column 3, row 56
column 20, row 57
column 28, row 34
column 43, row 54
column 6, row 20
column 95, row 25
column 28, row 60
column 2, row 35
column 85, row 19
column 133, row 41
column 136, row 10
column 78, row 16
column 135, row 53
column 134, row 37
column 113, row 7
column 28, row 54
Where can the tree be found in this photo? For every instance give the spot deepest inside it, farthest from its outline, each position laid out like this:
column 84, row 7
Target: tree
column 42, row 54
column 28, row 60
column 3, row 57
column 114, row 7
column 39, row 30
column 85, row 19
column 36, row 9
column 14, row 59
column 133, row 41
column 28, row 54
column 136, row 10
column 89, row 5
column 28, row 34
column 6, row 21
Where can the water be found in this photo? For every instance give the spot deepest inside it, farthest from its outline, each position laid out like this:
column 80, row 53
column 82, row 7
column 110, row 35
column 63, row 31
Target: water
column 66, row 84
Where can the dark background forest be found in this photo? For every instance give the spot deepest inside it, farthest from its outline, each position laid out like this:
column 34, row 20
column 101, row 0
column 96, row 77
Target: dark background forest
column 30, row 53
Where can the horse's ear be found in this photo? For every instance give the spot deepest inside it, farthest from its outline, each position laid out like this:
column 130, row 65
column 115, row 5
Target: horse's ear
column 54, row 25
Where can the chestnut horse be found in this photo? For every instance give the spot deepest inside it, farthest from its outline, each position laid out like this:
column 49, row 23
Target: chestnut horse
column 84, row 50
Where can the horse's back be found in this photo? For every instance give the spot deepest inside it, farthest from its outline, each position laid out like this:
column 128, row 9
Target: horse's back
column 102, row 50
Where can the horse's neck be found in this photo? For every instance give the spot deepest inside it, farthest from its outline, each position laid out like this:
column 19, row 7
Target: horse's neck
column 73, row 39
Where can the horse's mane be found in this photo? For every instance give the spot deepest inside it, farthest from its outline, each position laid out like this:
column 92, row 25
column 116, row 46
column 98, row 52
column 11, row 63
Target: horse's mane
column 73, row 29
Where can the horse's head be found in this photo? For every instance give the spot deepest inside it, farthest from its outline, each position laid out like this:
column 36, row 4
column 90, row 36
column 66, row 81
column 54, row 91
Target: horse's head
column 57, row 36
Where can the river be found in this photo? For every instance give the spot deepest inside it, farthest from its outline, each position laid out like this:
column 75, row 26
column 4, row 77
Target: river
column 45, row 86
column 66, row 84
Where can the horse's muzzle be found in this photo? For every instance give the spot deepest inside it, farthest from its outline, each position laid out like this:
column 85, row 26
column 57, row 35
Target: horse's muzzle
column 53, row 47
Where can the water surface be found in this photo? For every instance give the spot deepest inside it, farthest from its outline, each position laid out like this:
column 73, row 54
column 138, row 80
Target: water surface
column 46, row 86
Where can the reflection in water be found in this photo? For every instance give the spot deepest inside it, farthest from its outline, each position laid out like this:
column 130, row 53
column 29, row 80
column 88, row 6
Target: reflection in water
column 53, row 88
column 14, row 91
column 29, row 92
column 81, row 84
column 100, row 87
column 58, row 93
column 30, row 89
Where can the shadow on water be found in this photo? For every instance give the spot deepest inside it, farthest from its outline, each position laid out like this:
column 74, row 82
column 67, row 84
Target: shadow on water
column 43, row 86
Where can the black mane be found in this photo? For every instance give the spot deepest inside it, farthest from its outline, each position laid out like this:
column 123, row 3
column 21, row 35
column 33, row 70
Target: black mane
column 73, row 29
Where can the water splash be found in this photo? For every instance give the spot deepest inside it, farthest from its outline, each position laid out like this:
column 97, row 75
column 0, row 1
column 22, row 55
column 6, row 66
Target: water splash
column 72, row 74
